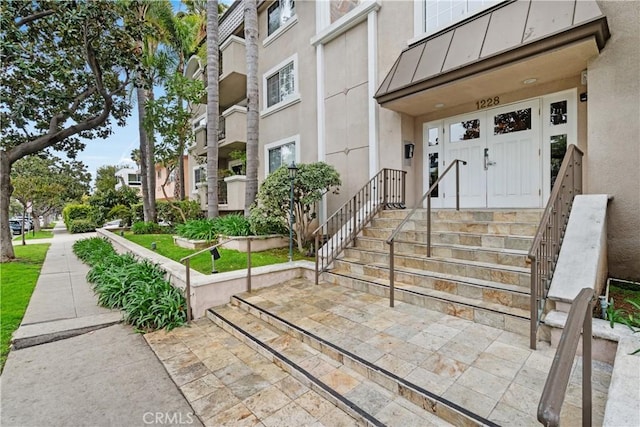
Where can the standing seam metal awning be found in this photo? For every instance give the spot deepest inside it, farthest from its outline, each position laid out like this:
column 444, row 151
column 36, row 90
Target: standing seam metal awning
column 509, row 32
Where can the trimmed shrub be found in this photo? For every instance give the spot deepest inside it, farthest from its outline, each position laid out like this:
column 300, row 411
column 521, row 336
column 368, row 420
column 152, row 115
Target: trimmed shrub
column 76, row 211
column 120, row 212
column 142, row 227
column 81, row 226
column 261, row 223
column 167, row 213
column 137, row 212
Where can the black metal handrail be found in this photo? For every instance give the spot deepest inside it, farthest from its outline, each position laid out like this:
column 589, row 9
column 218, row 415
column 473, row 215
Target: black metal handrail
column 548, row 239
column 392, row 239
column 555, row 388
column 385, row 190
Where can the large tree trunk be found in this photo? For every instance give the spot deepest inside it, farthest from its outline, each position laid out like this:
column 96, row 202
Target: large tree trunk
column 151, row 168
column 6, row 247
column 251, row 43
column 212, row 108
column 141, row 94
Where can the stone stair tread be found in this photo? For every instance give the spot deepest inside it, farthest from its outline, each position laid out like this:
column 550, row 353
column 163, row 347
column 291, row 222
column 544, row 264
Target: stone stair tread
column 451, row 277
column 504, row 267
column 441, row 295
column 338, row 376
column 466, row 233
column 458, row 246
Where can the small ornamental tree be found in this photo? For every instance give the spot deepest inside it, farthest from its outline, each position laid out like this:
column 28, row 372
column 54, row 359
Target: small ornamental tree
column 312, row 182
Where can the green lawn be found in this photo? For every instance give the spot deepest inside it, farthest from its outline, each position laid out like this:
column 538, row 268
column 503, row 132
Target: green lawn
column 229, row 259
column 17, row 282
column 42, row 234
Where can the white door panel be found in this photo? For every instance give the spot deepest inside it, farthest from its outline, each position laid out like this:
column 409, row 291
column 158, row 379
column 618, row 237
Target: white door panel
column 502, row 150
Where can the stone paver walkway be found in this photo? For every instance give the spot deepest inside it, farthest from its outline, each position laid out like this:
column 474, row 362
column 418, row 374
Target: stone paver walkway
column 229, row 384
column 486, row 370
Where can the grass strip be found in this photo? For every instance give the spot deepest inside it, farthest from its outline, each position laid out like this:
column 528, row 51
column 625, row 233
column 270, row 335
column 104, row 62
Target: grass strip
column 230, row 260
column 17, row 282
column 30, row 235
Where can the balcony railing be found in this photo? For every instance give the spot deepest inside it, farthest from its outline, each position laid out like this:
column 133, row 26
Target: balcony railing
column 222, row 131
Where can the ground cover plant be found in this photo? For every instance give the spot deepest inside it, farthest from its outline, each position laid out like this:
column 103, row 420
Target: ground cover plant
column 137, row 287
column 18, row 280
column 229, row 259
column 624, row 305
column 30, row 235
column 210, row 229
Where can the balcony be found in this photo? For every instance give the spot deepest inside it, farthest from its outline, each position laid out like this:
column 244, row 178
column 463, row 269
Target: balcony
column 233, row 73
column 231, row 193
column 232, row 133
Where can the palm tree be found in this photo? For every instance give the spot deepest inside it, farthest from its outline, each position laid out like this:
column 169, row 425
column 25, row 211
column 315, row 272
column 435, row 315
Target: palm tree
column 154, row 61
column 212, row 107
column 251, row 43
column 185, row 30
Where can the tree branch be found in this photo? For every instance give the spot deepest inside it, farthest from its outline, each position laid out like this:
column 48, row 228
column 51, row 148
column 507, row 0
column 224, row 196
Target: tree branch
column 63, row 115
column 34, row 17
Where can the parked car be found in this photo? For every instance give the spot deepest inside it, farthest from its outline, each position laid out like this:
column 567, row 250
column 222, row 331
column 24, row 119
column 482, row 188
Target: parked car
column 16, row 227
column 28, row 222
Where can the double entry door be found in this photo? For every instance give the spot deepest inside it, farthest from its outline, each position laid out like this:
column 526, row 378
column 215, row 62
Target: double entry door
column 502, row 148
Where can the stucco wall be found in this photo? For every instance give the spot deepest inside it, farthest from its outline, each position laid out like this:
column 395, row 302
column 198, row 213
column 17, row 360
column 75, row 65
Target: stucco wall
column 614, row 134
column 300, row 118
column 346, row 110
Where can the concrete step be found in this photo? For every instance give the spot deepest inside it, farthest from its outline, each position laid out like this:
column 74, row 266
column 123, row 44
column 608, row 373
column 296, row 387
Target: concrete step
column 488, row 313
column 513, row 257
column 323, row 367
column 479, row 227
column 483, row 290
column 495, row 241
column 520, row 276
column 471, row 215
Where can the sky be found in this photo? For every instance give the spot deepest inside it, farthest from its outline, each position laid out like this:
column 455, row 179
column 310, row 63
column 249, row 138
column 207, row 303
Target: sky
column 116, row 150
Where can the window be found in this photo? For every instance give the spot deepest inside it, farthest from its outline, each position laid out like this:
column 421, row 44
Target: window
column 279, row 13
column 465, row 130
column 133, row 178
column 282, row 155
column 281, row 84
column 339, row 8
column 513, row 121
column 439, row 14
column 200, row 175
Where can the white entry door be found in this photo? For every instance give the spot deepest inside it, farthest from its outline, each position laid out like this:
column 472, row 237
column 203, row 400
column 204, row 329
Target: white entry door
column 502, row 149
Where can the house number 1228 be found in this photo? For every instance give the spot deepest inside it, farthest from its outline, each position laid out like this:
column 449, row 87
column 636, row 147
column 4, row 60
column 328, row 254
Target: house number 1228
column 486, row 103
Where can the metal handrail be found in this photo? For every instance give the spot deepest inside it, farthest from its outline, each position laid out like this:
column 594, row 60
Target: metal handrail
column 187, row 260
column 545, row 247
column 391, row 240
column 553, row 394
column 385, row 190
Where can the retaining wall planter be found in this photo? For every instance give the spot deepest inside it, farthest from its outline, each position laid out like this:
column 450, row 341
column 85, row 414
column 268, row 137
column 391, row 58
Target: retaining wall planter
column 258, row 243
column 190, row 244
column 212, row 290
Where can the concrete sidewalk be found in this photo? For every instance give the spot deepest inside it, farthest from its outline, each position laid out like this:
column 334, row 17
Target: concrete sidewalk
column 73, row 364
